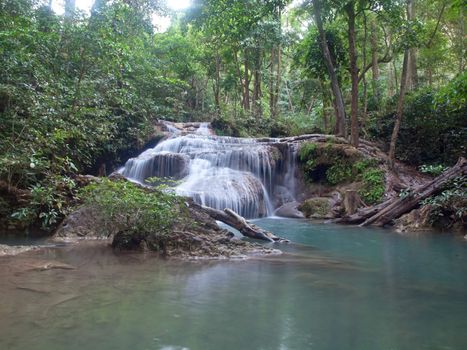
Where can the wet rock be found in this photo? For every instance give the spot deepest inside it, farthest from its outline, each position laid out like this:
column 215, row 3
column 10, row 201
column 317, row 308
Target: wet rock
column 415, row 221
column 162, row 165
column 8, row 250
column 290, row 210
column 282, row 195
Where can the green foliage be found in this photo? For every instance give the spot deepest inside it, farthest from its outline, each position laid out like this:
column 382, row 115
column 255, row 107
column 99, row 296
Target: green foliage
column 339, row 173
column 330, row 163
column 451, row 204
column 433, row 129
column 49, row 203
column 306, row 156
column 434, row 170
column 373, row 185
column 132, row 208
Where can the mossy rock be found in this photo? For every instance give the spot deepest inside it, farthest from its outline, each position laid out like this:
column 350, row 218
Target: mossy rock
column 329, row 162
column 318, row 208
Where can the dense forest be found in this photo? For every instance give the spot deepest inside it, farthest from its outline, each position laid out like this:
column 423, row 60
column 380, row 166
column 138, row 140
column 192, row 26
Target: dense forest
column 82, row 89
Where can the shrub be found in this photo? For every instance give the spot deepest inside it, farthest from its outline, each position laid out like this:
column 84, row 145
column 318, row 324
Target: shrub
column 373, row 185
column 133, row 209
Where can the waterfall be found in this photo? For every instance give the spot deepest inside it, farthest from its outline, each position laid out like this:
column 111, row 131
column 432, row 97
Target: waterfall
column 290, row 179
column 217, row 171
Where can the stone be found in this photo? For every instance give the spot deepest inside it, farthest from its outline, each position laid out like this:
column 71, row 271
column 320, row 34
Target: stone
column 317, row 208
column 8, row 250
column 289, row 210
column 197, row 236
column 415, row 221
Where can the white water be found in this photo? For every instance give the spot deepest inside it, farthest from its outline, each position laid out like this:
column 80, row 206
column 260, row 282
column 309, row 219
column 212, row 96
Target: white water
column 219, row 172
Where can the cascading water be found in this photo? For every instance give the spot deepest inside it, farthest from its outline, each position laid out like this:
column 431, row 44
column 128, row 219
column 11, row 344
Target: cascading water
column 219, row 172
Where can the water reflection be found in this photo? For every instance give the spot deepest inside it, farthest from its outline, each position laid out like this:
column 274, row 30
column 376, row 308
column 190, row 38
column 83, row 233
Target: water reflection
column 336, row 288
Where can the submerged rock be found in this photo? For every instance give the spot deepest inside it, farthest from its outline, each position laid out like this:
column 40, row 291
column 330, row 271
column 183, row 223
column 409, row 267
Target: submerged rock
column 8, row 250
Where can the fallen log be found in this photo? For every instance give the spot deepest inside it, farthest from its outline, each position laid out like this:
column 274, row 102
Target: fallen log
column 394, row 208
column 360, row 216
column 399, row 206
column 229, row 217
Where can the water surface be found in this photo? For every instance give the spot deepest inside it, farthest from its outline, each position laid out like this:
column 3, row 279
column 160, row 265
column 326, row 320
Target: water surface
column 334, row 288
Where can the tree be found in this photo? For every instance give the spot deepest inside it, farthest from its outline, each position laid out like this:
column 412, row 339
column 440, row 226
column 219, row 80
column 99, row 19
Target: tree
column 340, row 129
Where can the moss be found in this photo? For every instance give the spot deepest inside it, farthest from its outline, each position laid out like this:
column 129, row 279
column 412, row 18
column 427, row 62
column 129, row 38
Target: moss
column 329, row 162
column 336, row 164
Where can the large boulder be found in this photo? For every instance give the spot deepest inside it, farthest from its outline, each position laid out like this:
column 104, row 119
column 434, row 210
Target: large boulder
column 320, row 208
column 85, row 222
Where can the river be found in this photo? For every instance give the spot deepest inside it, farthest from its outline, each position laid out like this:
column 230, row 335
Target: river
column 334, row 287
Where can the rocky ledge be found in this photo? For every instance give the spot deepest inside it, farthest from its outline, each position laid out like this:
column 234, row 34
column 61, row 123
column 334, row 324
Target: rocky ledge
column 197, row 236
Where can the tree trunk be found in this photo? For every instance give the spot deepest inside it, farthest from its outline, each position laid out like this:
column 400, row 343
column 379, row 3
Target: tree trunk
column 350, row 9
column 278, row 78
column 240, row 78
column 246, row 96
column 399, row 113
column 374, row 61
column 365, row 85
column 271, row 82
column 394, row 208
column 399, row 206
column 257, row 110
column 336, row 90
column 239, row 223
column 412, row 75
column 217, row 98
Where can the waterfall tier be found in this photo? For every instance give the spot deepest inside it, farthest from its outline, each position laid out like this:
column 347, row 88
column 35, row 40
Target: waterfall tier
column 219, row 172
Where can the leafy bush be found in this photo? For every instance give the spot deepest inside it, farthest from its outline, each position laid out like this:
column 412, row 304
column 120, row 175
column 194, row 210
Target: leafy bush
column 434, row 170
column 49, row 203
column 373, row 185
column 133, row 209
column 335, row 165
column 338, row 173
column 433, row 129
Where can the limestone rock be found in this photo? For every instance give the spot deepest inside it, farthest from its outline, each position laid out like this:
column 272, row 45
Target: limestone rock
column 415, row 221
column 289, row 210
column 317, row 208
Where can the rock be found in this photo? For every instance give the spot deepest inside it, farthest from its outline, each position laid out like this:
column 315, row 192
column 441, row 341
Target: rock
column 415, row 221
column 282, row 195
column 317, row 208
column 8, row 250
column 196, row 235
column 162, row 165
column 352, row 202
column 84, row 222
column 289, row 210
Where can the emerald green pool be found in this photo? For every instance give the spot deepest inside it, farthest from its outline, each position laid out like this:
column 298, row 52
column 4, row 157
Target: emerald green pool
column 335, row 287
